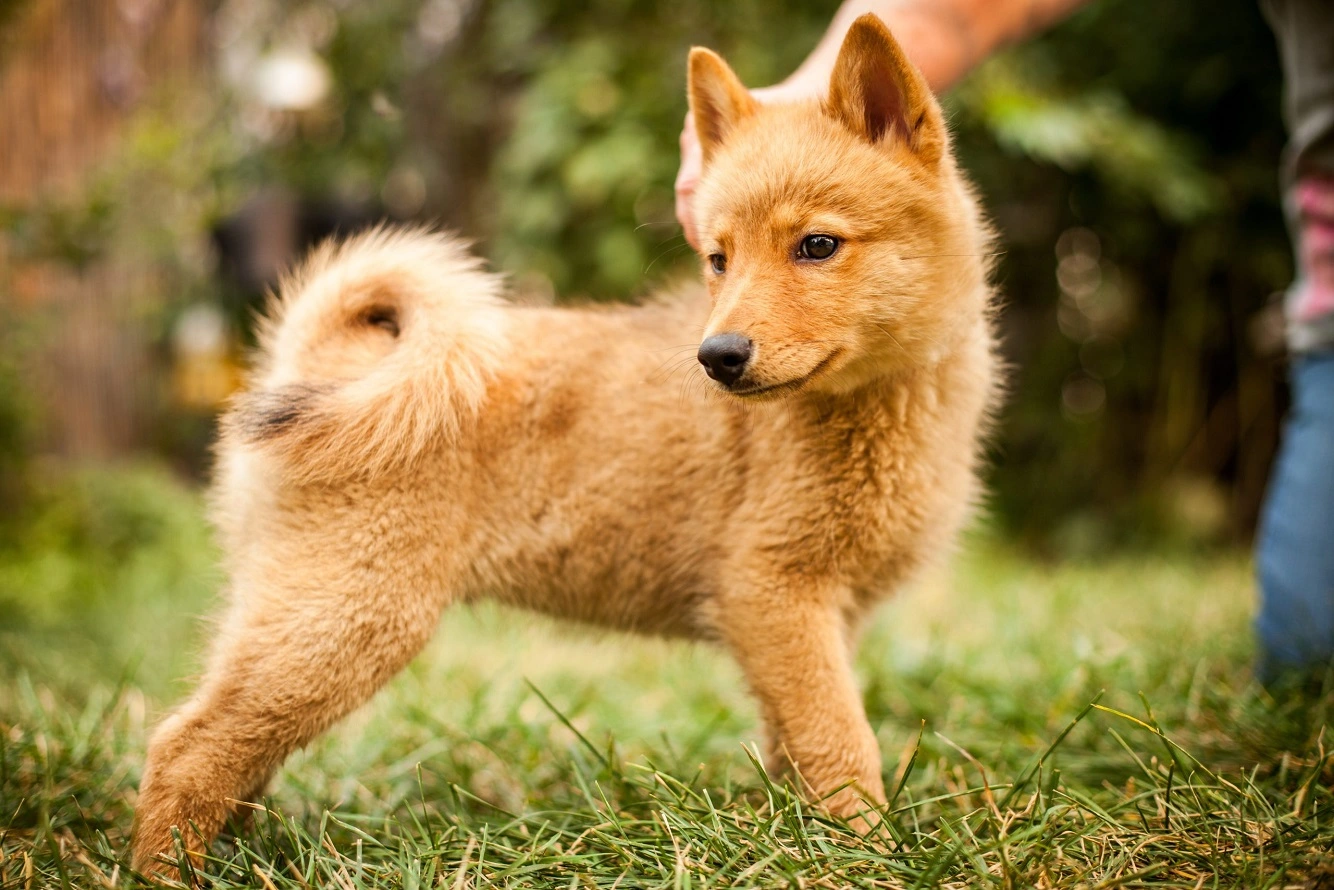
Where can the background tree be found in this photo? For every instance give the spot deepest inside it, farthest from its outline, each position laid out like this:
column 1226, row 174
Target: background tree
column 1128, row 157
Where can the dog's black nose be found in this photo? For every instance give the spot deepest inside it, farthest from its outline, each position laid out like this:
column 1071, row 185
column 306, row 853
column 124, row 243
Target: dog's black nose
column 724, row 357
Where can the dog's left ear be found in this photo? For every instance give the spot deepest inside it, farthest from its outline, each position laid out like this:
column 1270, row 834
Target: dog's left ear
column 718, row 99
column 882, row 96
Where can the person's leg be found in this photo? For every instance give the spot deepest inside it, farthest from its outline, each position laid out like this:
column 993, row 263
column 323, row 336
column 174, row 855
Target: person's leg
column 1295, row 548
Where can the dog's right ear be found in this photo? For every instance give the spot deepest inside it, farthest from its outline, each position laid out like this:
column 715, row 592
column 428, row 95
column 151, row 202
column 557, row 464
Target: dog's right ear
column 718, row 100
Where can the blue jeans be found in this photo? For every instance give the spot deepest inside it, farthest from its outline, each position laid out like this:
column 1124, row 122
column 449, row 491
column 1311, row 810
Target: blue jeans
column 1295, row 547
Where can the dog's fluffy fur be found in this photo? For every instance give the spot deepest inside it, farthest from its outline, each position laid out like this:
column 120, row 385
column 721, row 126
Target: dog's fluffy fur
column 409, row 440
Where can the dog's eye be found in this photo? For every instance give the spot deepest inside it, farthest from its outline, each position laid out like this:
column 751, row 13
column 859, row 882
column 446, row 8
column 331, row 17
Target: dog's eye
column 817, row 247
column 718, row 263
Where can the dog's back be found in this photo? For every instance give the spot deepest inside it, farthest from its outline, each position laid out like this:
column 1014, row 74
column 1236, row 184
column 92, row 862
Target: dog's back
column 572, row 458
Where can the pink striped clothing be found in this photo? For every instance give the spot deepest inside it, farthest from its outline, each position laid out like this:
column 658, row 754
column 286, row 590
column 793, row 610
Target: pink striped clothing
column 1314, row 299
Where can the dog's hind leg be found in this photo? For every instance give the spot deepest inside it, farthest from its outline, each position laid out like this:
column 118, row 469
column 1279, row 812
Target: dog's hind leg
column 289, row 663
column 795, row 658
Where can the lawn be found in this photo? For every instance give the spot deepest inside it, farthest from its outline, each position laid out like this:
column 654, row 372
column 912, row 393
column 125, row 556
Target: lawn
column 1043, row 725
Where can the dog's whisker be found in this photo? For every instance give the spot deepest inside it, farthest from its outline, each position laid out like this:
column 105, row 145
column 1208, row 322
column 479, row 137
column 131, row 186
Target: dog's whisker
column 676, row 361
column 666, row 253
column 888, row 333
column 941, row 256
column 684, row 364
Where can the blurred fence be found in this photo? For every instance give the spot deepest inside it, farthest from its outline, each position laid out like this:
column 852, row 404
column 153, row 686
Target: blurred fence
column 170, row 155
column 72, row 76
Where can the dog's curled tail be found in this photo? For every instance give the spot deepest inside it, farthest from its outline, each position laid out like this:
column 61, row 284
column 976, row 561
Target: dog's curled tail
column 375, row 349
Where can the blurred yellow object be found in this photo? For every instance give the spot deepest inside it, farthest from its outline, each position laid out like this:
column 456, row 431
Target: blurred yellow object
column 205, row 371
column 204, row 381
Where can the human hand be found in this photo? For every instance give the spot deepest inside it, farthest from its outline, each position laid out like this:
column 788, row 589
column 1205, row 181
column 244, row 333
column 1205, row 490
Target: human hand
column 687, row 178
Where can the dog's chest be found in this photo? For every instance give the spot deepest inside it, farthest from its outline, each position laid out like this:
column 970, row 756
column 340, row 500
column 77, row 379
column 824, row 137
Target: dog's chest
column 866, row 499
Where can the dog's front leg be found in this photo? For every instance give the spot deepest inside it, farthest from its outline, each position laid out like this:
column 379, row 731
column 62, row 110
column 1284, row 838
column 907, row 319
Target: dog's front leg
column 795, row 657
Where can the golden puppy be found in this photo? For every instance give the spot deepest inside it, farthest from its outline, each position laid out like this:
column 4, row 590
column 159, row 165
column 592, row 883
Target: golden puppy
column 409, row 441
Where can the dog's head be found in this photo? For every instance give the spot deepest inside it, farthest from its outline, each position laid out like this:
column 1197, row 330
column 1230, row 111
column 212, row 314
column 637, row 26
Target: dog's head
column 840, row 243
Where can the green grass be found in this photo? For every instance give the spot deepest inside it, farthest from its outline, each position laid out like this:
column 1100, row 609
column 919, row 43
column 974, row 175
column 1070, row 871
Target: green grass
column 1073, row 725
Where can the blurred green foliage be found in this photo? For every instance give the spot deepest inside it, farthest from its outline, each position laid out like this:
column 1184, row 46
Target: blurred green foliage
column 86, row 549
column 1138, row 162
column 16, row 421
column 1129, row 158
